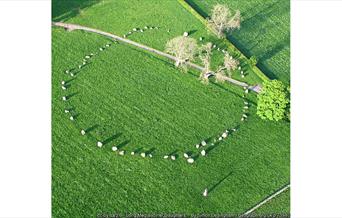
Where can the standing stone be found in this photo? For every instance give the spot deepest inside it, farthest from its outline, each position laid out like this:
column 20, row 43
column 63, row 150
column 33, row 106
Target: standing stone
column 205, row 193
column 114, row 148
column 203, row 152
column 190, row 160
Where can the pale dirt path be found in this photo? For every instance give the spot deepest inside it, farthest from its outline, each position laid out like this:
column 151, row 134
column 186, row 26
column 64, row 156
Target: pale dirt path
column 71, row 27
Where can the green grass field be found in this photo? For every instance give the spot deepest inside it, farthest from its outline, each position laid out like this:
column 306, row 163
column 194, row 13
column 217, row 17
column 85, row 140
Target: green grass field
column 277, row 206
column 264, row 33
column 137, row 100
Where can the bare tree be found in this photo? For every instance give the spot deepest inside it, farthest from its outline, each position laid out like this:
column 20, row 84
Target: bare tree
column 205, row 57
column 222, row 19
column 184, row 48
column 230, row 64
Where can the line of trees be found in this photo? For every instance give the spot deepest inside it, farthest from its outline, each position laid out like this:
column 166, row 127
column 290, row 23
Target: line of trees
column 274, row 99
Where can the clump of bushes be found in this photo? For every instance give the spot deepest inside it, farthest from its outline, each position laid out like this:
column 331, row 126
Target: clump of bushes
column 273, row 101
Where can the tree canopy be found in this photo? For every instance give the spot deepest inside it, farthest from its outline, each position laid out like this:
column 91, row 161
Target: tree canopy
column 273, row 101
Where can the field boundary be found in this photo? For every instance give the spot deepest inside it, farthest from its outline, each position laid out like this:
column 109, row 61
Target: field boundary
column 286, row 187
column 71, row 27
column 230, row 45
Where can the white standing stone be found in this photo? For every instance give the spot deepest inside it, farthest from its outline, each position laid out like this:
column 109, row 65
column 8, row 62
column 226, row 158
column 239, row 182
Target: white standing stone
column 242, row 119
column 220, row 139
column 197, row 146
column 71, row 118
column 203, row 152
column 83, row 132
column 114, row 148
column 185, row 34
column 241, row 72
column 87, row 56
column 186, row 155
column 122, row 152
column 145, row 27
column 201, row 38
column 190, row 160
column 142, row 30
column 166, row 156
column 64, row 88
column 99, row 144
column 67, row 71
column 205, row 193
column 134, row 29
column 242, row 76
column 64, row 98
column 239, row 68
column 244, row 115
column 246, row 91
column 63, row 82
column 124, row 36
column 66, row 111
column 132, row 153
column 72, row 75
column 245, row 107
column 143, row 154
column 173, row 157
column 203, row 143
column 150, row 155
column 101, row 49
column 224, row 135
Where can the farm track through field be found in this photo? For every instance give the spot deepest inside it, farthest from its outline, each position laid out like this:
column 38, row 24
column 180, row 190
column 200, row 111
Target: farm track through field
column 71, row 27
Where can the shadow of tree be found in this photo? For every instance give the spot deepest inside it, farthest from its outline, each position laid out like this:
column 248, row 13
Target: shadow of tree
column 65, row 9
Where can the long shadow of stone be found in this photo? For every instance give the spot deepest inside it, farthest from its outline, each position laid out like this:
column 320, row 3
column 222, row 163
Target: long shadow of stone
column 123, row 144
column 219, row 182
column 110, row 139
column 71, row 95
column 150, row 151
column 90, row 129
column 138, row 150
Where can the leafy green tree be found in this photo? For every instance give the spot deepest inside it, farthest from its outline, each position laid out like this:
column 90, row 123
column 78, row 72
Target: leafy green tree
column 273, row 101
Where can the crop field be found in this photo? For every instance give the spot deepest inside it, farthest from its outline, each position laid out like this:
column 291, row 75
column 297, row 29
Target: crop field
column 264, row 32
column 140, row 102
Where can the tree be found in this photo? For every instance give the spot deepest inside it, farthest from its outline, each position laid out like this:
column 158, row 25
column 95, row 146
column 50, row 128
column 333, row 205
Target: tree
column 229, row 65
column 272, row 101
column 205, row 57
column 222, row 19
column 184, row 48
